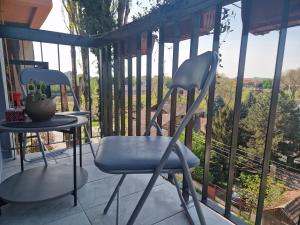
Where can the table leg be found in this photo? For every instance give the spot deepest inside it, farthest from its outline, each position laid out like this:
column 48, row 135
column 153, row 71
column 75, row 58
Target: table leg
column 74, row 167
column 80, row 147
column 20, row 137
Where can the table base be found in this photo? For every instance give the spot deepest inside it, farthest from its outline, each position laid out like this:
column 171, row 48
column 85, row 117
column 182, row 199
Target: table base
column 41, row 184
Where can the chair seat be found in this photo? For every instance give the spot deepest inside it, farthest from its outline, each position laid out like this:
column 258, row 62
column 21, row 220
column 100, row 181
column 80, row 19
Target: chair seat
column 142, row 154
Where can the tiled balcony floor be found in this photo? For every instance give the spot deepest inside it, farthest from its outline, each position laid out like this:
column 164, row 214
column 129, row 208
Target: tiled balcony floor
column 161, row 208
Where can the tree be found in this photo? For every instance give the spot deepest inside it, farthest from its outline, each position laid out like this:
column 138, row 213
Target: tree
column 291, row 81
column 249, row 191
column 267, row 84
column 218, row 103
column 288, row 123
column 255, row 124
column 225, row 88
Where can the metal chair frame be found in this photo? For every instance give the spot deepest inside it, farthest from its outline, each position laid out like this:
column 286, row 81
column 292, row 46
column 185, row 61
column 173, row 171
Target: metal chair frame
column 52, row 77
column 204, row 83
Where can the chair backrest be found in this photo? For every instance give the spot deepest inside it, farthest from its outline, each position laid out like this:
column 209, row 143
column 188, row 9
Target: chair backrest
column 49, row 77
column 197, row 72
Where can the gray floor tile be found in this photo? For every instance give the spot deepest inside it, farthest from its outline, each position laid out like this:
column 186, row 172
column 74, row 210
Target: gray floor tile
column 98, row 192
column 38, row 213
column 76, row 219
column 211, row 218
column 162, row 202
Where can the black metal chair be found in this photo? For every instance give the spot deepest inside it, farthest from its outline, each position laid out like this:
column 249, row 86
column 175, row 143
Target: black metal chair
column 53, row 77
column 158, row 154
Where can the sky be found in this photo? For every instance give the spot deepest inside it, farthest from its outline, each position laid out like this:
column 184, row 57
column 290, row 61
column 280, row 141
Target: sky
column 260, row 61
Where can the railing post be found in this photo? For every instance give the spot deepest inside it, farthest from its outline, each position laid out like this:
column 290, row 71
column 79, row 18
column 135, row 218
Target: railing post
column 191, row 94
column 116, row 88
column 122, row 87
column 272, row 112
column 109, row 91
column 237, row 105
column 104, row 87
column 101, row 92
column 176, row 40
column 148, row 77
column 210, row 104
column 129, row 85
column 138, row 85
column 90, row 95
column 160, row 82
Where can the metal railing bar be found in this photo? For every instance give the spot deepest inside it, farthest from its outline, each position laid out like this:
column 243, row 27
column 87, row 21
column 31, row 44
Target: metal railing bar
column 160, row 82
column 122, row 84
column 148, row 77
column 211, row 96
column 29, row 34
column 138, row 85
column 176, row 41
column 116, row 88
column 237, row 106
column 129, row 85
column 272, row 111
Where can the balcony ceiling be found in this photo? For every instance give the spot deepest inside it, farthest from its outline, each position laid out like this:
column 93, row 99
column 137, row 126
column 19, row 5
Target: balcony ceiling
column 31, row 13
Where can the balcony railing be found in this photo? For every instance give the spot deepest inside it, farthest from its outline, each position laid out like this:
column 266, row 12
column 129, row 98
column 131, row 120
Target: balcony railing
column 120, row 60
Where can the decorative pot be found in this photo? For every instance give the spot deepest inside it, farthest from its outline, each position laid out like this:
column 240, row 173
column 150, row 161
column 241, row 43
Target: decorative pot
column 41, row 110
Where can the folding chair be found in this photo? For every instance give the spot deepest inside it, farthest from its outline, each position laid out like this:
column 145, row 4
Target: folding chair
column 158, row 154
column 53, row 77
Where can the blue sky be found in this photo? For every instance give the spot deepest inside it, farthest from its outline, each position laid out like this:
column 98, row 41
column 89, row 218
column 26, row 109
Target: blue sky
column 261, row 54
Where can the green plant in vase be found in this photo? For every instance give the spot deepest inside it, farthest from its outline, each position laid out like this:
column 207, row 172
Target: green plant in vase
column 37, row 105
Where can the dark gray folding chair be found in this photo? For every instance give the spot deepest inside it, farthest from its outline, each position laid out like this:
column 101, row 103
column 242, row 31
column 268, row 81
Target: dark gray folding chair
column 158, row 154
column 53, row 77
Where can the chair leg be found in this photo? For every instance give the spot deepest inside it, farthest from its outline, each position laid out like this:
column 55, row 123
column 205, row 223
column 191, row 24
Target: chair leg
column 189, row 181
column 89, row 139
column 114, row 194
column 118, row 207
column 42, row 148
column 144, row 197
column 183, row 203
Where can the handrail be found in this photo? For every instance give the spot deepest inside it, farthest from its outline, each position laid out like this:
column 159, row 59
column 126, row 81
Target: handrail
column 29, row 34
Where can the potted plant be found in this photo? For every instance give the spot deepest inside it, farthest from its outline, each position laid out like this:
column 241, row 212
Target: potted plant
column 37, row 105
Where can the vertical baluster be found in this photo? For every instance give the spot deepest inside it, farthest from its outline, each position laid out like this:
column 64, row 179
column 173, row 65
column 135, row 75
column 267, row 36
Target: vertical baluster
column 122, row 90
column 148, row 77
column 272, row 111
column 191, row 94
column 138, row 85
column 116, row 88
column 101, row 92
column 211, row 96
column 109, row 91
column 237, row 105
column 174, row 68
column 104, row 91
column 90, row 94
column 160, row 82
column 129, row 87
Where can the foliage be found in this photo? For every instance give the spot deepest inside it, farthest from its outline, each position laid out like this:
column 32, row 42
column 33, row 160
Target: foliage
column 225, row 88
column 249, row 190
column 288, row 124
column 198, row 148
column 255, row 124
column 267, row 84
column 222, row 125
column 291, row 81
column 36, row 91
